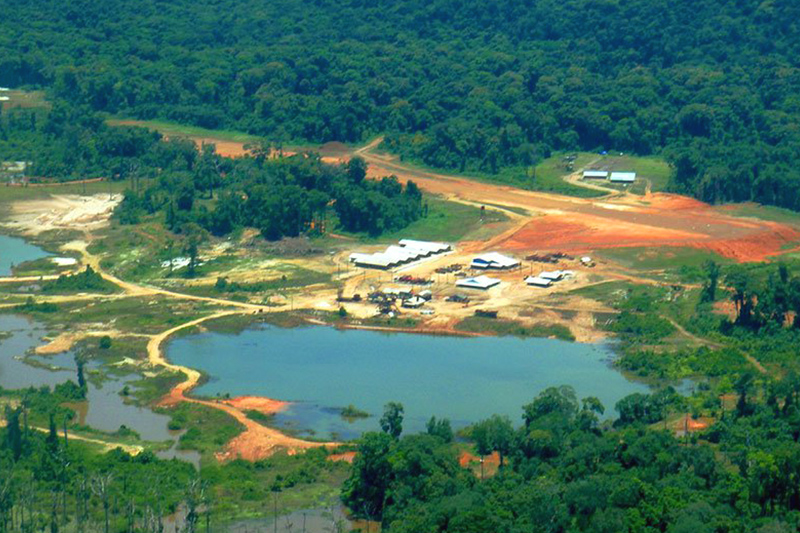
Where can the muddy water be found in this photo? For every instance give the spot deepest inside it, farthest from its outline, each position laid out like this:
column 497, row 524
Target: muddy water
column 105, row 410
column 14, row 251
column 321, row 369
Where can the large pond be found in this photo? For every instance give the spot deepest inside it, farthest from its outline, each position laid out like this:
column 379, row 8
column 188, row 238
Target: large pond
column 14, row 251
column 321, row 369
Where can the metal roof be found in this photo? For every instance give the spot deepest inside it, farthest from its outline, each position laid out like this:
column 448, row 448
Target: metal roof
column 494, row 260
column 626, row 177
column 480, row 282
column 538, row 282
column 595, row 174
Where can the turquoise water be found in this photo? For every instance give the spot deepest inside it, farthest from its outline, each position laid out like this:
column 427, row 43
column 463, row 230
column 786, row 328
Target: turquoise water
column 14, row 251
column 463, row 379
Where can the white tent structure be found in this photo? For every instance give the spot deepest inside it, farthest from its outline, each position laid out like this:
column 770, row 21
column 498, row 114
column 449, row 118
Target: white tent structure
column 494, row 260
column 429, row 247
column 408, row 251
column 480, row 282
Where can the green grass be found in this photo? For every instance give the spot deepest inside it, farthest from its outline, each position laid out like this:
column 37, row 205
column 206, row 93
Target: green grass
column 148, row 390
column 207, row 430
column 609, row 293
column 501, row 327
column 662, row 257
column 24, row 99
column 40, row 267
column 547, row 177
column 652, row 168
column 257, row 416
column 149, row 315
column 446, row 221
column 763, row 212
column 175, row 129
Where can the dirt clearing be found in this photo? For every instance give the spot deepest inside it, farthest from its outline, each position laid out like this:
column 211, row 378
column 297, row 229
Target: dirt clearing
column 266, row 406
column 68, row 211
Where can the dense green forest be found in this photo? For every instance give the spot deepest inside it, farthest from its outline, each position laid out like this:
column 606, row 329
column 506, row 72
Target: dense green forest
column 473, row 85
column 279, row 196
column 563, row 471
column 283, row 197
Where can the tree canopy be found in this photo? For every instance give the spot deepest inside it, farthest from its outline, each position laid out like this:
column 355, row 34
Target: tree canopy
column 471, row 85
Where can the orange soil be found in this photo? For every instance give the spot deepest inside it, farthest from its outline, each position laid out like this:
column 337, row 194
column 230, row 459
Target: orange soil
column 581, row 225
column 266, row 406
column 491, row 463
column 688, row 423
column 347, row 457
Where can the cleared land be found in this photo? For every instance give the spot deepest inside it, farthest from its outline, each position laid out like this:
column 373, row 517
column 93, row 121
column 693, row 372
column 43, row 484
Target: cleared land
column 628, row 226
column 581, row 225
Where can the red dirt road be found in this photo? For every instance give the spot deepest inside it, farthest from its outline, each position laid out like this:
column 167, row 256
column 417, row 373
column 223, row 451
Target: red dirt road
column 579, row 225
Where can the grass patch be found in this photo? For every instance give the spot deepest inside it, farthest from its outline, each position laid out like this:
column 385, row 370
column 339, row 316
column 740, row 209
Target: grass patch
column 174, row 129
column 43, row 266
column 148, row 390
column 148, row 315
column 764, row 212
column 25, row 100
column 651, row 168
column 547, row 176
column 206, row 429
column 660, row 258
column 500, row 327
column 257, row 416
column 351, row 412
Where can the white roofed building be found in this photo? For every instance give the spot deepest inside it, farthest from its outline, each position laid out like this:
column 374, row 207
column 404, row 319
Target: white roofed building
column 430, row 247
column 555, row 275
column 536, row 281
column 595, row 174
column 622, row 177
column 494, row 260
column 480, row 282
column 406, row 252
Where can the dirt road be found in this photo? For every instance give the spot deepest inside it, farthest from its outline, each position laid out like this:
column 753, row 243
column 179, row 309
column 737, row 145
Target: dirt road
column 256, row 441
column 582, row 225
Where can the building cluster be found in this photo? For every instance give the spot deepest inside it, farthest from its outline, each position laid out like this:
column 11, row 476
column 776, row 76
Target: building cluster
column 405, row 252
column 487, row 261
column 613, row 177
